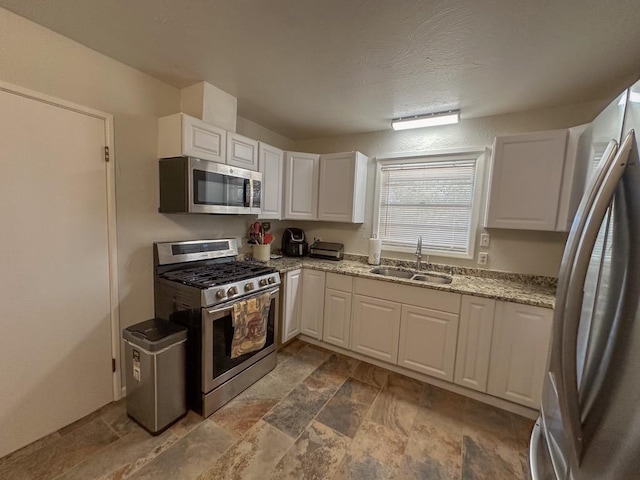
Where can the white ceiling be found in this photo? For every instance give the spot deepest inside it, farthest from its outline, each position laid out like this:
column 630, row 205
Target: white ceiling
column 314, row 68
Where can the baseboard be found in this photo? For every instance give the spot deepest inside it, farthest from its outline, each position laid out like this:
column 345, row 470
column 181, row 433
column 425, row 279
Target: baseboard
column 452, row 387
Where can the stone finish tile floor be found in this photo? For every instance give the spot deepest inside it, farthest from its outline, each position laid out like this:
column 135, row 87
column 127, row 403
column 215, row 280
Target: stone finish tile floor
column 317, row 415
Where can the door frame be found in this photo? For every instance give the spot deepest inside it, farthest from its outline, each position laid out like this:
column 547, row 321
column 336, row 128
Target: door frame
column 112, row 244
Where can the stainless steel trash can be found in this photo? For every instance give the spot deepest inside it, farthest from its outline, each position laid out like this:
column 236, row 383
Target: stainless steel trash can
column 155, row 362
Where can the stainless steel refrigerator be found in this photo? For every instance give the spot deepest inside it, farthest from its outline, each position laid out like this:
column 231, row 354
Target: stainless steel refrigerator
column 589, row 426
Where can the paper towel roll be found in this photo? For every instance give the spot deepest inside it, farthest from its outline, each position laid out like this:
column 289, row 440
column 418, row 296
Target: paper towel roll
column 375, row 245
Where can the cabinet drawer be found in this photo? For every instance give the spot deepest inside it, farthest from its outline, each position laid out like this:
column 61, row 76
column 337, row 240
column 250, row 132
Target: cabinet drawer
column 421, row 297
column 337, row 281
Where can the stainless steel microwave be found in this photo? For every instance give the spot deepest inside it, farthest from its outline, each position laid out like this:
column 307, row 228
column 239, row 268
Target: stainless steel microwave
column 192, row 185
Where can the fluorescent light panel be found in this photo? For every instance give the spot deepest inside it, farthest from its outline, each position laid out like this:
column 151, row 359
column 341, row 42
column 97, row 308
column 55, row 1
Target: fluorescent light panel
column 428, row 120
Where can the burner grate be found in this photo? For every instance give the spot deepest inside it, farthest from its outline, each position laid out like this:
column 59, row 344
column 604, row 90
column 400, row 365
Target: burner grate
column 208, row 276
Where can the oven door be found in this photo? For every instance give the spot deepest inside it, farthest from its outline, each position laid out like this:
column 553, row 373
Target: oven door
column 217, row 328
column 218, row 188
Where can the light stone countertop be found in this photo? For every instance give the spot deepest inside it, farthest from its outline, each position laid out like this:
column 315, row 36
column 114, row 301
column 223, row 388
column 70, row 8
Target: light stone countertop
column 518, row 290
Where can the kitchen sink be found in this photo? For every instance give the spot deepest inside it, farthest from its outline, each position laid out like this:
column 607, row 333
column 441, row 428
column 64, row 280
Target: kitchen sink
column 392, row 272
column 420, row 277
column 443, row 280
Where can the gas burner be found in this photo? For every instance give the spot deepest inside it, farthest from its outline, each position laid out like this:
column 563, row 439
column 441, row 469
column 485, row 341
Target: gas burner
column 213, row 275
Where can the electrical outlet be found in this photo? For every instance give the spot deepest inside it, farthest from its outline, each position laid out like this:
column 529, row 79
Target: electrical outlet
column 484, row 240
column 483, row 258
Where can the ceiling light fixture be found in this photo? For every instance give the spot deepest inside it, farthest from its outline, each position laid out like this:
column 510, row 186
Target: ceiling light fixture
column 427, row 120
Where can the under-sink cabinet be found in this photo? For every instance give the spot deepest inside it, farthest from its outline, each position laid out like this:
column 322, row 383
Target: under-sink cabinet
column 375, row 328
column 428, row 341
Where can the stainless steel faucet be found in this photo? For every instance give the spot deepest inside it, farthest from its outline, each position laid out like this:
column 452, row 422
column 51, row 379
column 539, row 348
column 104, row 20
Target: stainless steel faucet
column 419, row 253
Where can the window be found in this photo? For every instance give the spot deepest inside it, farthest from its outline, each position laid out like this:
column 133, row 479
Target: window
column 432, row 195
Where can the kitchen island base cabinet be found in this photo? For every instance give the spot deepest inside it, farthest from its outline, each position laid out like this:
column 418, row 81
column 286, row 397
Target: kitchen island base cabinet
column 519, row 352
column 292, row 302
column 474, row 342
column 313, row 282
column 375, row 328
column 428, row 341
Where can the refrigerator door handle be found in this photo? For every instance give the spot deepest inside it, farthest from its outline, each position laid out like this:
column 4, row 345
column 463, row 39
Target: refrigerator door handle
column 593, row 212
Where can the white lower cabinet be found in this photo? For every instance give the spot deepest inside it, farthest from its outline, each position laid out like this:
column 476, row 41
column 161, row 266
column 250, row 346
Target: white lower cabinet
column 376, row 328
column 519, row 352
column 292, row 301
column 474, row 342
column 337, row 317
column 428, row 341
column 312, row 303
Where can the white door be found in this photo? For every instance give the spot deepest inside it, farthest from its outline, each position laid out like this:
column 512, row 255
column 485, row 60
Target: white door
column 428, row 341
column 301, row 185
column 55, row 346
column 376, row 328
column 292, row 305
column 337, row 318
column 242, row 151
column 312, row 302
column 474, row 342
column 519, row 352
column 271, row 164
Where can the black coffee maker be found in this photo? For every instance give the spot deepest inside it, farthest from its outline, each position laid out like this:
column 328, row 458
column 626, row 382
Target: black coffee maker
column 293, row 243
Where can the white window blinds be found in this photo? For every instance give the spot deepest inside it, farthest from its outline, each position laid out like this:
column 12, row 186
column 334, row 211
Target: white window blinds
column 433, row 199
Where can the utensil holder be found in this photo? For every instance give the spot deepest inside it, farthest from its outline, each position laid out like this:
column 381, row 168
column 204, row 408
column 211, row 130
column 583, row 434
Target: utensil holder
column 262, row 252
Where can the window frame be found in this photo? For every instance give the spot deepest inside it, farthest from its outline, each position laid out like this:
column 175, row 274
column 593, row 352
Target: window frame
column 478, row 154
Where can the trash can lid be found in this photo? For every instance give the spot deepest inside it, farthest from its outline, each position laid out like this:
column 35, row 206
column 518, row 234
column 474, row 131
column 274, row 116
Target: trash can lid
column 155, row 334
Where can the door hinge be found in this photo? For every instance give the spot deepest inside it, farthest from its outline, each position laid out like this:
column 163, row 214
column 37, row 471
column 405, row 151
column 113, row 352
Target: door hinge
column 106, row 154
column 113, row 365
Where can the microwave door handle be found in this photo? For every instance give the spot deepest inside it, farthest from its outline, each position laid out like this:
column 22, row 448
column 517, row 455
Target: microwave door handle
column 248, row 193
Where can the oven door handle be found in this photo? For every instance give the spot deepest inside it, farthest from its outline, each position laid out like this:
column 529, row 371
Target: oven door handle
column 229, row 306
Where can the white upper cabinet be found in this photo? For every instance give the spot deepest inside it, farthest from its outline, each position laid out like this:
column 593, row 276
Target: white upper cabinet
column 519, row 352
column 301, row 185
column 342, row 189
column 526, row 179
column 242, row 151
column 271, row 164
column 182, row 135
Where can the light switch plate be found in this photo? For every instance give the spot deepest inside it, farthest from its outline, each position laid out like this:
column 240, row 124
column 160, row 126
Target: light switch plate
column 483, row 258
column 484, row 239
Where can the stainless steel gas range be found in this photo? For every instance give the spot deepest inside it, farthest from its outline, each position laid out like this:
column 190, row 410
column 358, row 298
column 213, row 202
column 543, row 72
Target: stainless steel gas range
column 197, row 284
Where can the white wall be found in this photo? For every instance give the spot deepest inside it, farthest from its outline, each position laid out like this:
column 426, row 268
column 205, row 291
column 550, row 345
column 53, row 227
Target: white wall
column 41, row 60
column 258, row 132
column 521, row 252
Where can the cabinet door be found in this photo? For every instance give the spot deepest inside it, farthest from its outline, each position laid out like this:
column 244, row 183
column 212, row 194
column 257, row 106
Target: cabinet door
column 519, row 352
column 342, row 187
column 312, row 302
column 524, row 190
column 180, row 134
column 301, row 186
column 242, row 151
column 428, row 341
column 376, row 327
column 474, row 342
column 199, row 139
column 292, row 305
column 271, row 163
column 337, row 318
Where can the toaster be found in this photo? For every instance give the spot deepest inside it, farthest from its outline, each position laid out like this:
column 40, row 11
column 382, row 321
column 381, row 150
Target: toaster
column 327, row 250
column 294, row 243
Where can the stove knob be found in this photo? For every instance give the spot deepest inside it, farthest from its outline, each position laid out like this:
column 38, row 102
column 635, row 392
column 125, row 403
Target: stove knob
column 232, row 291
column 272, row 280
column 263, row 282
column 221, row 294
column 248, row 287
